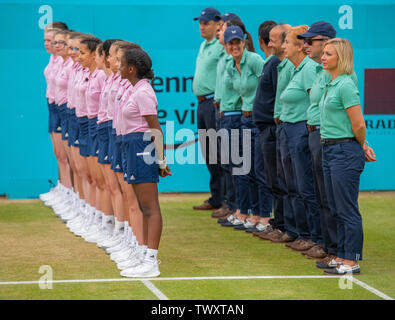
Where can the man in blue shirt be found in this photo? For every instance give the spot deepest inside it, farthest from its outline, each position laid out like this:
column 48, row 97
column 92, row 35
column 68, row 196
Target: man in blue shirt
column 262, row 112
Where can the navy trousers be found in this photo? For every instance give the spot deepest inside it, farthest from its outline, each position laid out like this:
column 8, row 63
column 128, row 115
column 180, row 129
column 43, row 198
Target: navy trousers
column 291, row 203
column 343, row 164
column 206, row 119
column 274, row 182
column 227, row 181
column 307, row 211
column 327, row 221
column 232, row 124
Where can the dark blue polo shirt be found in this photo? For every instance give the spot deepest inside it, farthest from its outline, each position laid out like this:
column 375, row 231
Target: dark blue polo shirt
column 263, row 108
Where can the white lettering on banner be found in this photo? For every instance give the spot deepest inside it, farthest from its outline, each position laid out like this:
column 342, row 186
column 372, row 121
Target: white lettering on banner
column 46, row 18
column 45, row 282
column 345, row 21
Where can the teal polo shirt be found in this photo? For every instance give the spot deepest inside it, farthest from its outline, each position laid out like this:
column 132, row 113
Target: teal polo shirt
column 206, row 67
column 230, row 98
column 339, row 95
column 317, row 90
column 284, row 75
column 295, row 97
column 246, row 82
column 220, row 69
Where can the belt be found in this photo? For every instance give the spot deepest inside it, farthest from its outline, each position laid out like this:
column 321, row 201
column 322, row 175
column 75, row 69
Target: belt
column 206, row 97
column 229, row 113
column 312, row 128
column 327, row 142
column 247, row 113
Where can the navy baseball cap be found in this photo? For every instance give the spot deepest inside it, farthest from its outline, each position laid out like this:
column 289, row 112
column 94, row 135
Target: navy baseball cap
column 209, row 14
column 321, row 28
column 229, row 16
column 233, row 32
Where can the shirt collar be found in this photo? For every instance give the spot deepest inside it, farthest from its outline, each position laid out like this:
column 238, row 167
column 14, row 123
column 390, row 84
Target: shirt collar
column 94, row 73
column 339, row 78
column 282, row 64
column 214, row 40
column 302, row 64
column 140, row 83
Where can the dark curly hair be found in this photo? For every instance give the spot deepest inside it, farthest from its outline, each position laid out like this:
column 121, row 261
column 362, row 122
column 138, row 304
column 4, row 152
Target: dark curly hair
column 141, row 60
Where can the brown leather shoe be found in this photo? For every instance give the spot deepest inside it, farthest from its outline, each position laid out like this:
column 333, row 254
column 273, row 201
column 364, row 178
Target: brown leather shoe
column 222, row 213
column 204, row 206
column 283, row 239
column 219, row 213
column 271, row 234
column 266, row 231
column 301, row 245
column 315, row 252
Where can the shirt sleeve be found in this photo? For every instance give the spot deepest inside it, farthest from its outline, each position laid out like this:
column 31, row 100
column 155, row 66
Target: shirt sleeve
column 146, row 102
column 309, row 76
column 257, row 65
column 349, row 95
column 219, row 80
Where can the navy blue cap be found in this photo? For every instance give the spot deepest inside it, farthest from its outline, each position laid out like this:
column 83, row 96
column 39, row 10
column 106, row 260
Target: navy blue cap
column 320, row 28
column 209, row 14
column 228, row 16
column 233, row 32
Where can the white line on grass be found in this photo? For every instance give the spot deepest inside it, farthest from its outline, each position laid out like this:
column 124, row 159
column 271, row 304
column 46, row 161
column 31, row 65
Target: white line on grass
column 358, row 282
column 371, row 289
column 154, row 290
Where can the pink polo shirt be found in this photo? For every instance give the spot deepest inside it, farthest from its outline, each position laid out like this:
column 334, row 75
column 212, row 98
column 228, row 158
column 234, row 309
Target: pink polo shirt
column 102, row 114
column 70, row 86
column 112, row 95
column 119, row 103
column 61, row 82
column 47, row 70
column 81, row 83
column 142, row 102
column 125, row 84
column 95, row 85
column 51, row 85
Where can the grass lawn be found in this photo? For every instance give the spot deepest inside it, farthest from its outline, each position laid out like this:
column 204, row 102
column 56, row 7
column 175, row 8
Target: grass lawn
column 192, row 245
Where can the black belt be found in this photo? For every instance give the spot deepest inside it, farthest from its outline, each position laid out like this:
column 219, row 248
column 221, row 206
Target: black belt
column 327, row 142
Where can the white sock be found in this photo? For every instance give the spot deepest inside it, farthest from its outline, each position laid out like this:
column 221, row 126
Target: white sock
column 108, row 222
column 118, row 225
column 151, row 254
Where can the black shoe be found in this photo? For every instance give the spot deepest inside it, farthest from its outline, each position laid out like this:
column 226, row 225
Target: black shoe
column 240, row 227
column 343, row 270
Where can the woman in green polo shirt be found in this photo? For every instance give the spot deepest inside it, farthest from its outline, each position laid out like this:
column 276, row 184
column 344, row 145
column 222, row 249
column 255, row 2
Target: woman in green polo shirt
column 243, row 72
column 295, row 100
column 345, row 151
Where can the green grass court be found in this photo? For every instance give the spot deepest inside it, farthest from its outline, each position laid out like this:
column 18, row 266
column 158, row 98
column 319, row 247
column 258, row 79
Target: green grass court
column 193, row 245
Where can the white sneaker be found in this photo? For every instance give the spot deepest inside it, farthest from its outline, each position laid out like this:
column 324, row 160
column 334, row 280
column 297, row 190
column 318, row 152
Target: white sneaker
column 262, row 227
column 121, row 255
column 124, row 256
column 146, row 269
column 248, row 224
column 116, row 248
column 135, row 258
column 110, row 241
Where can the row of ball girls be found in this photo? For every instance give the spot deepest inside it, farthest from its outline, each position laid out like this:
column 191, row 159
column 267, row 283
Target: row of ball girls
column 308, row 145
column 102, row 116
